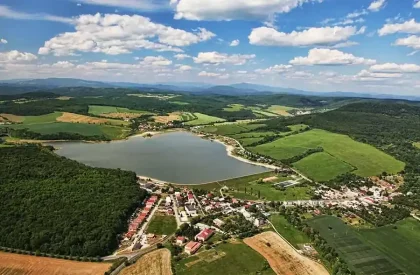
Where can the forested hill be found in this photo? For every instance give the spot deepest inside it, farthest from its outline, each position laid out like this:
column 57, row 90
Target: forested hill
column 391, row 127
column 55, row 205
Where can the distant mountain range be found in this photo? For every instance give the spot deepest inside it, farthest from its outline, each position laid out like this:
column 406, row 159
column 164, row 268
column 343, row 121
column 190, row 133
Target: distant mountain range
column 189, row 87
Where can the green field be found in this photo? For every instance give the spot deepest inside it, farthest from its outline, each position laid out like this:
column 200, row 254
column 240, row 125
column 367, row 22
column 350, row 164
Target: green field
column 417, row 144
column 99, row 110
column 367, row 159
column 322, row 166
column 182, row 103
column 269, row 193
column 248, row 141
column 401, row 245
column 288, row 231
column 186, row 116
column 361, row 257
column 231, row 129
column 203, row 119
column 229, row 259
column 49, row 118
column 252, row 135
column 162, row 225
column 264, row 113
column 281, row 110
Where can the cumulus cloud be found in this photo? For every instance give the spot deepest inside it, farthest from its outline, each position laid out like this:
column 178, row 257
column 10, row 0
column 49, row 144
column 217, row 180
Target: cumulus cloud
column 368, row 74
column 155, row 61
column 312, row 36
column 222, row 58
column 234, row 43
column 184, row 68
column 417, row 4
column 220, row 10
column 412, row 41
column 357, row 14
column 115, row 34
column 181, row 56
column 410, row 26
column 3, row 41
column 330, row 57
column 376, row 5
column 345, row 44
column 6, row 12
column 275, row 69
column 395, row 68
column 16, row 56
column 208, row 74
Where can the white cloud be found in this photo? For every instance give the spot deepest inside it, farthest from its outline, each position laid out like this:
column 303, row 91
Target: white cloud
column 147, row 5
column 3, row 41
column 412, row 41
column 417, row 4
column 185, row 68
column 79, row 4
column 222, row 58
column 330, row 57
column 181, row 56
column 15, row 56
column 234, row 43
column 115, row 34
column 274, row 69
column 357, row 14
column 345, row 44
column 155, row 61
column 8, row 13
column 376, row 5
column 63, row 65
column 313, row 36
column 395, row 68
column 368, row 74
column 208, row 74
column 410, row 26
column 219, row 10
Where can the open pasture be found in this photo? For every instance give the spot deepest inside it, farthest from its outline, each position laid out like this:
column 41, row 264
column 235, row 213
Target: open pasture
column 76, row 118
column 17, row 264
column 186, row 116
column 203, row 119
column 401, row 243
column 233, row 258
column 230, row 129
column 162, row 225
column 115, row 112
column 288, row 231
column 367, row 159
column 322, row 166
column 170, row 117
column 361, row 257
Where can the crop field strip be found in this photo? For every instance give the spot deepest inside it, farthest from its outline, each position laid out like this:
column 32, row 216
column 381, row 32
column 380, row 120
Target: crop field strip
column 203, row 119
column 361, row 257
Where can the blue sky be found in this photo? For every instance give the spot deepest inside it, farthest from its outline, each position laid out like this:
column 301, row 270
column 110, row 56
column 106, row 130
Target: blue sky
column 318, row 45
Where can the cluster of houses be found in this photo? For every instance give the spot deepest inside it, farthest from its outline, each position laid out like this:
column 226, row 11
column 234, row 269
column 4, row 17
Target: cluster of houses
column 186, row 200
column 194, row 245
column 141, row 217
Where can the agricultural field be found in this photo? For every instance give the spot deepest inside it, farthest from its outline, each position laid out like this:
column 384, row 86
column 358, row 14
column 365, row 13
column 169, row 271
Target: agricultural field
column 322, row 167
column 288, row 231
column 17, row 264
column 233, row 258
column 280, row 110
column 12, row 118
column 115, row 112
column 230, row 129
column 253, row 134
column 181, row 103
column 203, row 119
column 360, row 255
column 170, row 117
column 257, row 112
column 234, row 108
column 401, row 243
column 248, row 141
column 282, row 257
column 162, row 225
column 158, row 96
column 186, row 116
column 76, row 118
column 367, row 159
column 154, row 263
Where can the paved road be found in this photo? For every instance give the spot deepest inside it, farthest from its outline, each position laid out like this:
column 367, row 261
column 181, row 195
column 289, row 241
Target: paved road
column 177, row 218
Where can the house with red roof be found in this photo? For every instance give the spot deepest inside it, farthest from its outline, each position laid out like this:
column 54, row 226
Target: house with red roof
column 192, row 247
column 180, row 240
column 204, row 235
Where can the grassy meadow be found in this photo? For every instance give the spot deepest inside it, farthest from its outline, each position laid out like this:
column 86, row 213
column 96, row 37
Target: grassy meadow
column 162, row 225
column 202, row 119
column 230, row 129
column 280, row 110
column 360, row 255
column 288, row 231
column 367, row 159
column 230, row 259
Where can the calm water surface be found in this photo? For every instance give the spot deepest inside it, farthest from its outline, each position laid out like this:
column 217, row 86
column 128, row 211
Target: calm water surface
column 178, row 157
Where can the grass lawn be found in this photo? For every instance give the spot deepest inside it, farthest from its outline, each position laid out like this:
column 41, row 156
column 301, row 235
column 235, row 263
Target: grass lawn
column 229, row 259
column 288, row 231
column 99, row 110
column 203, row 119
column 322, row 166
column 162, row 225
column 362, row 257
column 367, row 159
column 402, row 245
column 280, row 110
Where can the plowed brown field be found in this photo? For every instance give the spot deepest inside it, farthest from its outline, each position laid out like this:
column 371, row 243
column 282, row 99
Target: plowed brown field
column 282, row 258
column 15, row 264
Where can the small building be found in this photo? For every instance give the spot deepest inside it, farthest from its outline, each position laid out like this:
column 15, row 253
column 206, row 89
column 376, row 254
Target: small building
column 204, row 235
column 191, row 199
column 180, row 240
column 168, row 201
column 191, row 209
column 218, row 222
column 192, row 247
column 259, row 222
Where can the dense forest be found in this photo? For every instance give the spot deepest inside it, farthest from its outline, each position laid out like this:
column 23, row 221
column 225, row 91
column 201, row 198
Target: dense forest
column 55, row 205
column 389, row 126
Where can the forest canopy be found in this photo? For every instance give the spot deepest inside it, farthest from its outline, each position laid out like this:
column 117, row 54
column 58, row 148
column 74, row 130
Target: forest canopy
column 59, row 206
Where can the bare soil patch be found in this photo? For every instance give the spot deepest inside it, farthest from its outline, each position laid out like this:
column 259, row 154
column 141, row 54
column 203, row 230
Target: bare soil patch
column 154, row 263
column 169, row 118
column 75, row 118
column 283, row 258
column 12, row 264
column 12, row 118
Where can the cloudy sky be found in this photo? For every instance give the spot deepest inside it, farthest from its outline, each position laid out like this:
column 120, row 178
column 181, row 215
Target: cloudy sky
column 318, row 45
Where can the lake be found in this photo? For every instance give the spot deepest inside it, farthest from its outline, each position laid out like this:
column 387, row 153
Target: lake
column 177, row 157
